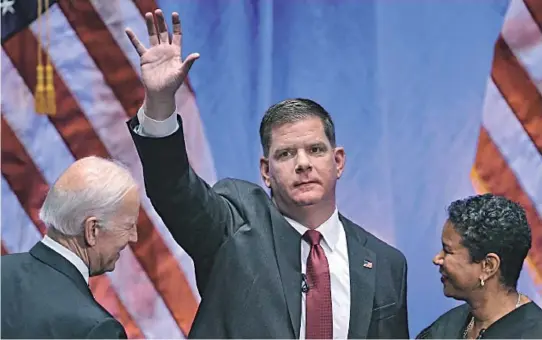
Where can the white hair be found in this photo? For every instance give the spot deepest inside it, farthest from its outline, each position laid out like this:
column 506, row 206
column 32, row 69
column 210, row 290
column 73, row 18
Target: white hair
column 104, row 184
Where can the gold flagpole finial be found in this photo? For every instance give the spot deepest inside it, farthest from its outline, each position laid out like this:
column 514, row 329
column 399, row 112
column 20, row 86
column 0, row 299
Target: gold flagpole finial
column 40, row 101
column 44, row 97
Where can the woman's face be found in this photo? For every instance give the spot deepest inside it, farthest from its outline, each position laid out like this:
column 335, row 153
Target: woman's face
column 460, row 276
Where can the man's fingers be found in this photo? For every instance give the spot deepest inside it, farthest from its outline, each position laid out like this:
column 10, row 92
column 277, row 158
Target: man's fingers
column 163, row 34
column 177, row 31
column 151, row 29
column 135, row 41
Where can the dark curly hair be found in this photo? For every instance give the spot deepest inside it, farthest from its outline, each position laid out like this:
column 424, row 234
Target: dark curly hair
column 493, row 224
column 290, row 111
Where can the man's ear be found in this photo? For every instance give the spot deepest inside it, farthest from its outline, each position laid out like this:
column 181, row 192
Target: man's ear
column 264, row 171
column 91, row 230
column 340, row 160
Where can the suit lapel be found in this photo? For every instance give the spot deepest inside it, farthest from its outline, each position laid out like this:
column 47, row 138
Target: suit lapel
column 288, row 253
column 50, row 257
column 53, row 259
column 362, row 262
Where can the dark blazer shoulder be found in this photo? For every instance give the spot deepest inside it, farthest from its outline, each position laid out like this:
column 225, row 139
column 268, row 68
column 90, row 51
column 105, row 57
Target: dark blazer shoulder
column 235, row 187
column 393, row 253
column 449, row 322
column 10, row 261
column 241, row 194
column 377, row 245
column 53, row 297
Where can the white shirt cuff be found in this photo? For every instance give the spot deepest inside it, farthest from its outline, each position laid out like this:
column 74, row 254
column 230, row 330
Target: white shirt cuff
column 149, row 127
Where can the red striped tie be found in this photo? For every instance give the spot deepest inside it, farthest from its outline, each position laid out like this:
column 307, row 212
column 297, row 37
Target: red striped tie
column 319, row 312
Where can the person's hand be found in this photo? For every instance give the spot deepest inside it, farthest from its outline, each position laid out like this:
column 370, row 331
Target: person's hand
column 162, row 70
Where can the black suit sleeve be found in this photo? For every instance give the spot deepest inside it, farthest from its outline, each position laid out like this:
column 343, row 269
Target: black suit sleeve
column 402, row 316
column 108, row 329
column 198, row 218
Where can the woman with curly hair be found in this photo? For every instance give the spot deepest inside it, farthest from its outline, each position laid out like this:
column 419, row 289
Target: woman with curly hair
column 484, row 243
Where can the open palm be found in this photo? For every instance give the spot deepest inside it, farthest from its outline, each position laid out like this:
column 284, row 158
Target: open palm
column 162, row 69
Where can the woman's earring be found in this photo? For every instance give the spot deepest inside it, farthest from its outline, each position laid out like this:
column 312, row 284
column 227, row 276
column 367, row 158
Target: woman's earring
column 482, row 282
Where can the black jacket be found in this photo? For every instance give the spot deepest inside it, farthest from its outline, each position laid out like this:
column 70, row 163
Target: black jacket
column 45, row 296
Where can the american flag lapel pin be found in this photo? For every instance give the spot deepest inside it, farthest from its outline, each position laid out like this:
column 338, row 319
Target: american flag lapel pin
column 368, row 264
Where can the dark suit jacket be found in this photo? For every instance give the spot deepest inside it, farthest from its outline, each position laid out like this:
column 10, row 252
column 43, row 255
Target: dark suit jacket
column 524, row 322
column 45, row 296
column 247, row 256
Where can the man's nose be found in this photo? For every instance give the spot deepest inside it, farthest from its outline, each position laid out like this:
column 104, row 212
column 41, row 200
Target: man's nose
column 437, row 260
column 303, row 162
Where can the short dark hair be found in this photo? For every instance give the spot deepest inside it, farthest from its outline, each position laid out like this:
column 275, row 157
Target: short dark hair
column 290, row 111
column 493, row 224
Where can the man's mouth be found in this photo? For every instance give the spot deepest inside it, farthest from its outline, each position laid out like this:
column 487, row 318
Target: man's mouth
column 298, row 184
column 443, row 277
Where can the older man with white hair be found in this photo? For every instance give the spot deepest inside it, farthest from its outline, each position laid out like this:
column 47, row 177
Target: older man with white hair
column 91, row 213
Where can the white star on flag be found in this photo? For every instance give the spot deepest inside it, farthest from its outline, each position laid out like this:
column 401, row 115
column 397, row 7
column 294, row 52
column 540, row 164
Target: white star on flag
column 7, row 6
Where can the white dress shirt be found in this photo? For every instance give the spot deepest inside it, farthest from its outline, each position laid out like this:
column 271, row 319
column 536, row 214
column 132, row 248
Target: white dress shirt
column 336, row 250
column 334, row 243
column 68, row 255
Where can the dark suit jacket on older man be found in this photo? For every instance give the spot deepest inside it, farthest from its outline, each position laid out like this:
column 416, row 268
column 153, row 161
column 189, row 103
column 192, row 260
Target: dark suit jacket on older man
column 247, row 256
column 44, row 296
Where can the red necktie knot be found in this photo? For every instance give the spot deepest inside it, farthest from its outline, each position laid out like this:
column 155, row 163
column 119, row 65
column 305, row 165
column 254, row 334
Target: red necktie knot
column 313, row 237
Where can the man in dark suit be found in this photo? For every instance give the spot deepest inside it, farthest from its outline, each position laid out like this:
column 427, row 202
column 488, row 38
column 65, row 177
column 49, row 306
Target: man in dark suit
column 90, row 213
column 289, row 266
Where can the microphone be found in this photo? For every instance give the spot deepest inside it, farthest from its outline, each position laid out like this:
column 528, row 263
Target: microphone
column 304, row 283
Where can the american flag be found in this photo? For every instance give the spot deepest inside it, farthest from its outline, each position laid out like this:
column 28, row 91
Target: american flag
column 96, row 78
column 509, row 155
column 96, row 73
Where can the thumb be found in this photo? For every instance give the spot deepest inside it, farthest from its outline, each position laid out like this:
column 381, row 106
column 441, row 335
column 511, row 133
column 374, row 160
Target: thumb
column 188, row 62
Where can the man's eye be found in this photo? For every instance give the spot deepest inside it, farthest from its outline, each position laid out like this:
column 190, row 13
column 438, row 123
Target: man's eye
column 317, row 149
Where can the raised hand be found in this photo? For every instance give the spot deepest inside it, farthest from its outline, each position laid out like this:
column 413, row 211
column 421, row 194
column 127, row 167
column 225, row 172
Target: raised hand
column 162, row 69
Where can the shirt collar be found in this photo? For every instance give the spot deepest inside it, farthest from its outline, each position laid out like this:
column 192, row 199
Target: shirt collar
column 329, row 229
column 68, row 255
